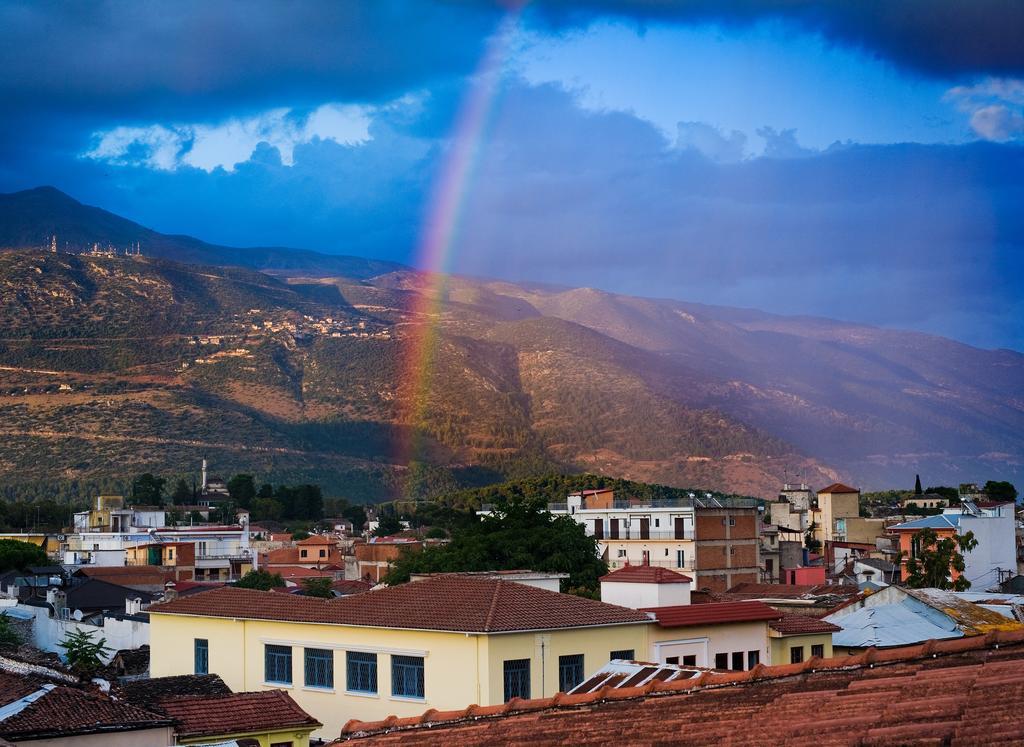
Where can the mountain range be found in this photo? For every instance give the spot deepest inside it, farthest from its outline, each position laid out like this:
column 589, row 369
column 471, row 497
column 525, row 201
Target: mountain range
column 289, row 364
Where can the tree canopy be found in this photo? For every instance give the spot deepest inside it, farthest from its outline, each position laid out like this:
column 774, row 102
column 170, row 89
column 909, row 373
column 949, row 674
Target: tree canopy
column 148, row 489
column 84, row 655
column 317, row 587
column 1000, row 490
column 261, row 580
column 517, row 535
column 934, row 561
column 18, row 556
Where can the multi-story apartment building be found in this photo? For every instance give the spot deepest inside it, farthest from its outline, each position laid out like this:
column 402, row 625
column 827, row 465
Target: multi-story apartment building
column 110, row 534
column 713, row 541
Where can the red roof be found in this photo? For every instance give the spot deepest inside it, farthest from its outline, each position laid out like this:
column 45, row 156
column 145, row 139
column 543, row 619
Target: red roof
column 713, row 613
column 316, row 539
column 748, row 590
column 963, row 692
column 646, row 574
column 209, row 716
column 838, row 487
column 351, row 586
column 793, row 624
column 66, row 711
column 451, row 602
column 297, row 571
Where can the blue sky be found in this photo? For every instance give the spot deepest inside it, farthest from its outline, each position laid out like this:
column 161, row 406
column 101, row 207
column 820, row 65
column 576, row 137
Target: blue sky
column 861, row 161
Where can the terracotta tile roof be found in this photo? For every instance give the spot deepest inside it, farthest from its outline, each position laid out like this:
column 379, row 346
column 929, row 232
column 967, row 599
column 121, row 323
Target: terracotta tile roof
column 646, row 574
column 959, row 692
column 17, row 686
column 66, row 711
column 316, row 539
column 451, row 602
column 298, row 571
column 283, row 556
column 790, row 591
column 137, row 575
column 802, row 624
column 147, row 692
column 207, row 716
column 713, row 613
column 351, row 586
column 838, row 487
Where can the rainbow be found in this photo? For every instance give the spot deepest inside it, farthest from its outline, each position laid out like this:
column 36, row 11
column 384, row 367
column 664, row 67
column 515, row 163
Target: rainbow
column 436, row 250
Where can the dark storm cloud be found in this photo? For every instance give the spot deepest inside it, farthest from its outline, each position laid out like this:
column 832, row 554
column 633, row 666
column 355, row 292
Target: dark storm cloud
column 925, row 236
column 131, row 58
column 935, row 37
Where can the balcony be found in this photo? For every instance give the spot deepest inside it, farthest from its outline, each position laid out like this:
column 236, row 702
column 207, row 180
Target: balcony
column 653, row 535
column 616, row 563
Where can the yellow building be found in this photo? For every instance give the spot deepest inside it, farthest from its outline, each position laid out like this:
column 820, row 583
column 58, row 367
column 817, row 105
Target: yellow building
column 444, row 642
column 795, row 638
column 836, row 504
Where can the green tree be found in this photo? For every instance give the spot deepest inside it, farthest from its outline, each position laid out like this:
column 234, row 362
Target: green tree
column 148, row 489
column 517, row 534
column 84, row 655
column 950, row 493
column 917, row 485
column 242, row 489
column 357, row 515
column 1000, row 490
column 266, row 509
column 317, row 587
column 262, row 580
column 18, row 556
column 9, row 637
column 934, row 560
column 182, row 493
column 388, row 524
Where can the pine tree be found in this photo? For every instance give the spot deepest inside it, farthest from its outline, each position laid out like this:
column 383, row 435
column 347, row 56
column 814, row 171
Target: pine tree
column 917, row 485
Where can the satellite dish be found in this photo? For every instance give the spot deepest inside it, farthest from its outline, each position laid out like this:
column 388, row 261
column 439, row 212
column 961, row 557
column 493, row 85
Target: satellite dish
column 77, row 614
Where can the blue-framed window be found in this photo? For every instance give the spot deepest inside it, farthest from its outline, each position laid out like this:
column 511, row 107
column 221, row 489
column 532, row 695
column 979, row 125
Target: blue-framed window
column 361, row 674
column 407, row 676
column 517, row 679
column 319, row 667
column 202, row 656
column 570, row 671
column 627, row 653
column 277, row 664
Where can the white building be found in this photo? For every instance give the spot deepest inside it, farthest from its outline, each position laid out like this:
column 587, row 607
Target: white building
column 993, row 526
column 712, row 541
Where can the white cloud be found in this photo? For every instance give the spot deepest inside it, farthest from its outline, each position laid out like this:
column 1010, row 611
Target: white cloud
column 995, row 107
column 711, row 141
column 228, row 143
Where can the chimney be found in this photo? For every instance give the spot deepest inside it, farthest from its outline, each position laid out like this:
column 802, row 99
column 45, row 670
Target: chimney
column 204, row 474
column 133, row 606
column 59, row 600
column 170, row 592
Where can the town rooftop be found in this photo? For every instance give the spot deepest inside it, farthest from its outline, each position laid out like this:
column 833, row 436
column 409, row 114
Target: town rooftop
column 966, row 691
column 464, row 604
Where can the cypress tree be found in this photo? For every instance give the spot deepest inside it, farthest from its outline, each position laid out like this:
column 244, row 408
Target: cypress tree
column 917, row 485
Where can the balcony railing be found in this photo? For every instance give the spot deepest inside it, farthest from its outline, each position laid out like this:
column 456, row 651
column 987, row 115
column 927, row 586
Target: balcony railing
column 634, row 533
column 615, row 563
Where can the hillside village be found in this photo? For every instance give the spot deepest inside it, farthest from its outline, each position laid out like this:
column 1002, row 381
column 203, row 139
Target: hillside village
column 227, row 630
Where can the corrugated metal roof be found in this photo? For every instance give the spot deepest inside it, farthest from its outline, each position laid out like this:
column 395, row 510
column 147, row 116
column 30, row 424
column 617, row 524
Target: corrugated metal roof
column 939, row 521
column 889, row 625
